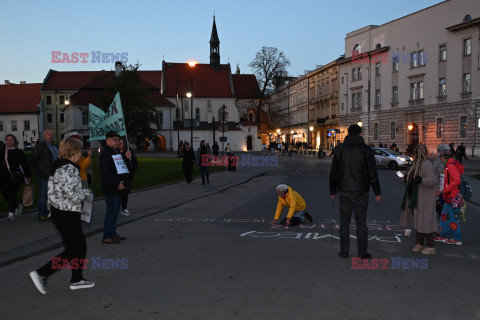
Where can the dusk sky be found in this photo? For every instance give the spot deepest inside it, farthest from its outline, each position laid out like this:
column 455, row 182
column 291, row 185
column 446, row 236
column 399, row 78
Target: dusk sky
column 310, row 32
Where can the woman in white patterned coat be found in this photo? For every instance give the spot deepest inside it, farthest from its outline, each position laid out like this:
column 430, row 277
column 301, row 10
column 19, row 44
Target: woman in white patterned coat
column 65, row 196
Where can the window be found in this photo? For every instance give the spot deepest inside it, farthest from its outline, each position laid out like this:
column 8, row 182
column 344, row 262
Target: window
column 467, row 47
column 359, row 73
column 377, row 97
column 395, row 94
column 14, row 125
column 357, row 49
column 375, row 131
column 354, row 74
column 160, row 117
column 466, row 82
column 85, row 118
column 354, row 100
column 49, row 99
column 62, row 117
column 463, row 127
column 197, row 113
column 26, row 125
column 62, row 99
column 49, row 117
column 377, row 68
column 359, row 99
column 342, row 106
column 414, row 60
column 395, row 64
column 393, row 132
column 1, row 125
column 442, row 87
column 250, row 116
column 421, row 60
column 342, row 80
column 439, row 128
column 443, row 52
column 416, row 90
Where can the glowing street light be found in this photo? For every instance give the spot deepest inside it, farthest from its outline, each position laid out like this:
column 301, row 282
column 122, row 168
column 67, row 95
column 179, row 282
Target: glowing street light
column 311, row 128
column 410, row 127
column 192, row 63
column 189, row 95
column 360, row 123
column 278, row 131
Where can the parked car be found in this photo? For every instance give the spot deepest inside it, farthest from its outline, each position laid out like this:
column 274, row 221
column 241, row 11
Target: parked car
column 389, row 158
column 28, row 147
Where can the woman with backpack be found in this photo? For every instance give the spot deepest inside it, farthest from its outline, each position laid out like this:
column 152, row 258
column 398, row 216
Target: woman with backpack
column 14, row 170
column 449, row 225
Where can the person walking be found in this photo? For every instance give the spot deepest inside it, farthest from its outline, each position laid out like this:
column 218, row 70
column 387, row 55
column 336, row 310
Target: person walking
column 215, row 149
column 450, row 217
column 132, row 163
column 188, row 160
column 203, row 158
column 14, row 171
column 418, row 204
column 353, row 172
column 113, row 180
column 42, row 158
column 65, row 195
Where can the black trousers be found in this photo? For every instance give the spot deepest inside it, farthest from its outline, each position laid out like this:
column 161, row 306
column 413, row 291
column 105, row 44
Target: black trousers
column 124, row 201
column 357, row 202
column 187, row 171
column 70, row 227
column 205, row 172
column 421, row 237
column 9, row 191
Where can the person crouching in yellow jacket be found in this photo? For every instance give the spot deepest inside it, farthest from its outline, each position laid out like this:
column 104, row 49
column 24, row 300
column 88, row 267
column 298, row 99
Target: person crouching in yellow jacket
column 291, row 199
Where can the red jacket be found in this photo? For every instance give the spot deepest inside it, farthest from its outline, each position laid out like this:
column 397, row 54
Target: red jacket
column 453, row 178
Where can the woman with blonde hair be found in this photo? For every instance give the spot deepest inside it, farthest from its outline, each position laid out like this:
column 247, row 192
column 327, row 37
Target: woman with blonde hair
column 65, row 196
column 418, row 203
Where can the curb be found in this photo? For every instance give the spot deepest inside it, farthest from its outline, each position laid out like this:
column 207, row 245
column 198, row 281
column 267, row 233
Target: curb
column 53, row 242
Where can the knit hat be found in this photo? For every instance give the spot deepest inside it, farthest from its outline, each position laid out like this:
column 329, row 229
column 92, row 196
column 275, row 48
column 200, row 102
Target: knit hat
column 443, row 150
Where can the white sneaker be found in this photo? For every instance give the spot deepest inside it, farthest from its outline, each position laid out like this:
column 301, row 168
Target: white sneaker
column 408, row 232
column 39, row 281
column 82, row 284
column 11, row 216
column 126, row 213
column 19, row 209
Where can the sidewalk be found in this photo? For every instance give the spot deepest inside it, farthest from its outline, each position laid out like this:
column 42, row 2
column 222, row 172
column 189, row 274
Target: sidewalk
column 26, row 236
column 472, row 167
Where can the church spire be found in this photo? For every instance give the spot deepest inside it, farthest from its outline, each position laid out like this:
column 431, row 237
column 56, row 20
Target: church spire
column 214, row 47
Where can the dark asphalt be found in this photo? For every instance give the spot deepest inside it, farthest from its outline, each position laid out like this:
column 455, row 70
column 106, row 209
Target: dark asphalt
column 219, row 258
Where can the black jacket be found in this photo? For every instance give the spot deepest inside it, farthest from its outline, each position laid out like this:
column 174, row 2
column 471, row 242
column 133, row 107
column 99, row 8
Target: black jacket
column 188, row 159
column 132, row 165
column 354, row 167
column 109, row 178
column 42, row 160
column 16, row 158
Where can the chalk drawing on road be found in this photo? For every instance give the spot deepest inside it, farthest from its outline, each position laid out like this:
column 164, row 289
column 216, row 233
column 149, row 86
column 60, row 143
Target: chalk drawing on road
column 316, row 236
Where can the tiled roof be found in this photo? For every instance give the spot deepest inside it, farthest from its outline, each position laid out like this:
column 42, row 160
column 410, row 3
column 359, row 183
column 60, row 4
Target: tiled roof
column 21, row 98
column 74, row 80
column 246, row 86
column 206, row 81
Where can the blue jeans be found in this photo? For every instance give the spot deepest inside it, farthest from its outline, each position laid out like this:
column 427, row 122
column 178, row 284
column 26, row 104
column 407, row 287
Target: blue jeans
column 110, row 222
column 42, row 197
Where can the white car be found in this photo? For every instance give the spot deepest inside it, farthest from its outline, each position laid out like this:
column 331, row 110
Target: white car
column 390, row 158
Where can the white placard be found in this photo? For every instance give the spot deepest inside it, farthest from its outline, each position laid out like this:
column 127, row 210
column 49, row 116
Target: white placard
column 120, row 164
column 442, row 180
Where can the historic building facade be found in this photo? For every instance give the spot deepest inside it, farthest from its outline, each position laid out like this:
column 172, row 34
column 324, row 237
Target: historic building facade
column 415, row 79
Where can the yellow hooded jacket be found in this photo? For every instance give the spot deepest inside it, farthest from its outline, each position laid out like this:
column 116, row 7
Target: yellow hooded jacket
column 294, row 202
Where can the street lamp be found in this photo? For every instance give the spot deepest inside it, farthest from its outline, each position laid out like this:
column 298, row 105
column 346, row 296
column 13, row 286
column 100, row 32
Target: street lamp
column 360, row 123
column 66, row 102
column 191, row 64
column 410, row 127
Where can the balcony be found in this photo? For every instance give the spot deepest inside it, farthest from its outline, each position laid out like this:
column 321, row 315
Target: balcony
column 416, row 102
column 394, row 105
column 466, row 95
column 442, row 98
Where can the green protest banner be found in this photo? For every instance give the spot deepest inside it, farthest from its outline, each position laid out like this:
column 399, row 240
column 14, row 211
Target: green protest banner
column 100, row 122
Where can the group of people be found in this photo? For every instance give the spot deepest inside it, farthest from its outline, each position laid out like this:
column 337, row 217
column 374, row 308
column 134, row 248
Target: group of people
column 432, row 203
column 66, row 193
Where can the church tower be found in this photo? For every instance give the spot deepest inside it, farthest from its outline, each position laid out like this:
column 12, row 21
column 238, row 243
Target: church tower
column 214, row 48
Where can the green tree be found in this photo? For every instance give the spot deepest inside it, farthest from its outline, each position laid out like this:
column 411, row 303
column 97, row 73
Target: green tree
column 140, row 115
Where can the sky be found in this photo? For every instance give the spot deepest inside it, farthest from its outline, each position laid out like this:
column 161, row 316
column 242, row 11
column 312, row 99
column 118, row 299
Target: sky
column 309, row 32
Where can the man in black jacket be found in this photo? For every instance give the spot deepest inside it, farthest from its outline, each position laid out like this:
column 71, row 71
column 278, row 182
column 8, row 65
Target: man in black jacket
column 112, row 182
column 352, row 173
column 42, row 158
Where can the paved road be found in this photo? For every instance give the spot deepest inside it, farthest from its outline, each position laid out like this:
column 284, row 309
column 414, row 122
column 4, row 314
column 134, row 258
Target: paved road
column 218, row 257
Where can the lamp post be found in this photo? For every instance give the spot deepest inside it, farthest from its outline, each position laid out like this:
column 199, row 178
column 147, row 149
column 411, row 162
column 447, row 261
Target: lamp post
column 66, row 102
column 191, row 64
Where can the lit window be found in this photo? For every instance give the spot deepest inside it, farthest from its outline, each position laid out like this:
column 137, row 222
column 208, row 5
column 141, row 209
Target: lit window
column 439, row 128
column 467, row 47
column 442, row 87
column 443, row 52
column 463, row 127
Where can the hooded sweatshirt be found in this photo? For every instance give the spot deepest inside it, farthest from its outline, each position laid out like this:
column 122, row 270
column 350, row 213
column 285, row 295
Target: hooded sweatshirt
column 453, row 179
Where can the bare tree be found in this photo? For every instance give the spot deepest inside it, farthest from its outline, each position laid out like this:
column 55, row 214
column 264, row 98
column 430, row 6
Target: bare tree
column 269, row 62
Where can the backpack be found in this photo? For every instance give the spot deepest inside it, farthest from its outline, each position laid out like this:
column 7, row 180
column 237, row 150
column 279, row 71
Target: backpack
column 466, row 189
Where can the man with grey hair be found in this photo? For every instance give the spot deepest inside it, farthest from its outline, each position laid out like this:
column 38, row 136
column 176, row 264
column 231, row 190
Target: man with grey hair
column 291, row 199
column 42, row 158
